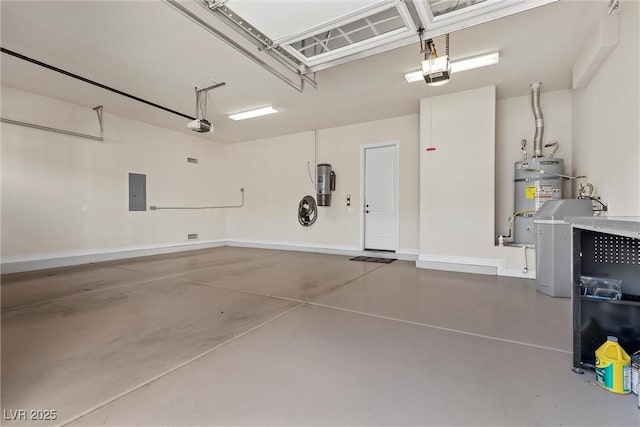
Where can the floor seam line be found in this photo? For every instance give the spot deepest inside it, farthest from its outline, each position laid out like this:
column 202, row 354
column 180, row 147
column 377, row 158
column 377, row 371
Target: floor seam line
column 350, row 281
column 169, row 276
column 275, row 296
column 442, row 328
column 131, row 270
column 244, row 291
column 173, row 274
column 177, row 367
column 93, row 291
column 218, row 265
column 128, row 260
column 139, row 282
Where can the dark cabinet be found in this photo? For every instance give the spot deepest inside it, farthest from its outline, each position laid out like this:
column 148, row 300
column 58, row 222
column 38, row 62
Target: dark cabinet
column 608, row 248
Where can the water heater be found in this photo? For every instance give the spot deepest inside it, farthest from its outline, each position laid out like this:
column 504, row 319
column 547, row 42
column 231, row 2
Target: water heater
column 326, row 183
column 536, row 181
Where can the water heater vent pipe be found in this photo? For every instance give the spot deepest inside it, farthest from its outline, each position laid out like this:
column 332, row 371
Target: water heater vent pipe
column 537, row 114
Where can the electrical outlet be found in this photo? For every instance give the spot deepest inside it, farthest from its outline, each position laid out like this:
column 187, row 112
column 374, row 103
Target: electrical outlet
column 85, row 208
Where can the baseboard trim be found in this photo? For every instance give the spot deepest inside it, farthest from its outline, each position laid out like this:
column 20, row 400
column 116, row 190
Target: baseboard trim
column 405, row 255
column 22, row 263
column 512, row 272
column 458, row 267
column 487, row 266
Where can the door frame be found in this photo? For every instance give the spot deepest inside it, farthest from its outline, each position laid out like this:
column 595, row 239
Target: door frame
column 396, row 185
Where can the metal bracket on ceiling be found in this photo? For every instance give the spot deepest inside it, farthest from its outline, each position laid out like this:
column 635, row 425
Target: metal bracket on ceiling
column 99, row 110
column 201, row 98
column 270, row 45
column 216, row 4
column 613, row 5
column 213, row 86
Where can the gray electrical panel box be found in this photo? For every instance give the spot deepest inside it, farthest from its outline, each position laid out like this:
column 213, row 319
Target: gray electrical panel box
column 137, row 192
column 553, row 244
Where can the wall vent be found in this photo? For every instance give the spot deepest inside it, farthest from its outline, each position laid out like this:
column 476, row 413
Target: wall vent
column 192, row 236
column 192, row 160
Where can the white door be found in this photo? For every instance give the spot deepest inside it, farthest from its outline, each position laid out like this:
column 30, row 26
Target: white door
column 380, row 198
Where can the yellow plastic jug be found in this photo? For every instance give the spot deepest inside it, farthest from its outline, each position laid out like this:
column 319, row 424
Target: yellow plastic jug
column 613, row 367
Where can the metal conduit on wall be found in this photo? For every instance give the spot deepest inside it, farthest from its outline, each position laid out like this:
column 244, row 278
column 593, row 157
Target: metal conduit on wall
column 157, row 208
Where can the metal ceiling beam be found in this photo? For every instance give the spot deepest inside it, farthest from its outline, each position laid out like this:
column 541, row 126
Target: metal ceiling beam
column 259, row 39
column 232, row 43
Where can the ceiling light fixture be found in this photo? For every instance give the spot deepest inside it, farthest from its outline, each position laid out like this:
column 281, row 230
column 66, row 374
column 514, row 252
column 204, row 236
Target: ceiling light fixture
column 253, row 113
column 460, row 65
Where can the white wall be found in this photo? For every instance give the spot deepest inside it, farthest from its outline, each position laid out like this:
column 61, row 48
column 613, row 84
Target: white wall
column 606, row 122
column 457, row 187
column 452, row 201
column 515, row 122
column 47, row 178
column 274, row 172
column 457, row 180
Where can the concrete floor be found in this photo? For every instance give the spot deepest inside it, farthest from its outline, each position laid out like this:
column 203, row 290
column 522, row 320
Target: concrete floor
column 237, row 336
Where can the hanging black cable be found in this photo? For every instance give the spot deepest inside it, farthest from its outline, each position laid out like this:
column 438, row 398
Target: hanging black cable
column 100, row 85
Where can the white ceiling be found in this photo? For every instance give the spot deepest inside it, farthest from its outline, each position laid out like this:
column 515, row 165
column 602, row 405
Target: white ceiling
column 151, row 51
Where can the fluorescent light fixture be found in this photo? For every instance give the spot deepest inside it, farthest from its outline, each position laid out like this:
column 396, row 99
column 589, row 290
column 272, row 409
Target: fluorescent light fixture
column 460, row 65
column 475, row 62
column 253, row 113
column 414, row 76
